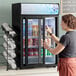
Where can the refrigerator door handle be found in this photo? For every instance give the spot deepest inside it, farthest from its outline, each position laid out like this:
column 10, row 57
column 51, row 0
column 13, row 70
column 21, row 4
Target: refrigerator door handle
column 39, row 38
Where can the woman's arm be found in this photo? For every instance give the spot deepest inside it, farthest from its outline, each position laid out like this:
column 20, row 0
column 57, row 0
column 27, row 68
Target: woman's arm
column 59, row 48
column 49, row 30
column 56, row 39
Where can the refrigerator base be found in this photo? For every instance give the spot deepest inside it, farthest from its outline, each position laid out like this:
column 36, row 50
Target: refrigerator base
column 38, row 66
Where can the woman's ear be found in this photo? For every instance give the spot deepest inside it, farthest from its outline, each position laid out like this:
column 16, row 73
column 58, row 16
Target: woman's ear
column 64, row 25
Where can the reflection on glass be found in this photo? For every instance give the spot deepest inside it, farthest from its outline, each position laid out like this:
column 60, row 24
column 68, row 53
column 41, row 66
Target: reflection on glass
column 50, row 22
column 33, row 29
column 23, row 41
column 33, row 40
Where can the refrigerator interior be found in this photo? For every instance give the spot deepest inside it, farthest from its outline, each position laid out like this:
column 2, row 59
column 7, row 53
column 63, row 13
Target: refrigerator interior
column 33, row 40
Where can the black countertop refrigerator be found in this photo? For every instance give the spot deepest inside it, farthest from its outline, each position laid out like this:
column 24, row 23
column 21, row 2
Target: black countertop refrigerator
column 29, row 22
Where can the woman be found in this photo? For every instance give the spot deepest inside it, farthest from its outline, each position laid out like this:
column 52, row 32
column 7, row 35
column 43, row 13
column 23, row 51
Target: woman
column 66, row 46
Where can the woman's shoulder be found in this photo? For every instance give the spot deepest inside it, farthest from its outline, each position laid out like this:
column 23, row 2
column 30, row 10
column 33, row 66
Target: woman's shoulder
column 65, row 36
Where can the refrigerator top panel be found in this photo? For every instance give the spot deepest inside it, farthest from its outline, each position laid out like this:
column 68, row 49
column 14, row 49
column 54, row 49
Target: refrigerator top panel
column 39, row 9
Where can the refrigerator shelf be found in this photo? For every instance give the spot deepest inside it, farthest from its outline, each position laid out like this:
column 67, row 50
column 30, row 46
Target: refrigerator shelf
column 36, row 37
column 32, row 46
column 41, row 56
column 49, row 46
column 45, row 37
column 32, row 56
column 50, row 63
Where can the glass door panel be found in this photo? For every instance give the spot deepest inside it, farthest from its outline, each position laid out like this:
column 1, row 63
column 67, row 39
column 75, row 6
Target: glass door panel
column 23, row 23
column 35, row 35
column 49, row 57
column 33, row 41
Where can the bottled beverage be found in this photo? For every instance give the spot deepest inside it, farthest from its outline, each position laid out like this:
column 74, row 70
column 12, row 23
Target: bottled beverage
column 23, row 52
column 48, row 40
column 29, row 27
column 23, row 27
column 23, row 43
column 35, row 30
column 30, row 42
column 41, row 42
column 45, row 52
column 48, row 53
column 35, row 51
column 30, row 52
column 41, row 52
column 35, row 42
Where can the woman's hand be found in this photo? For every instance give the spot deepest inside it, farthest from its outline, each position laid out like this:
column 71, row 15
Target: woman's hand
column 48, row 29
column 42, row 42
column 45, row 44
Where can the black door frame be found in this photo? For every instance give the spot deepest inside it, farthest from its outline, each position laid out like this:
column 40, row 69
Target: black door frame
column 26, row 17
